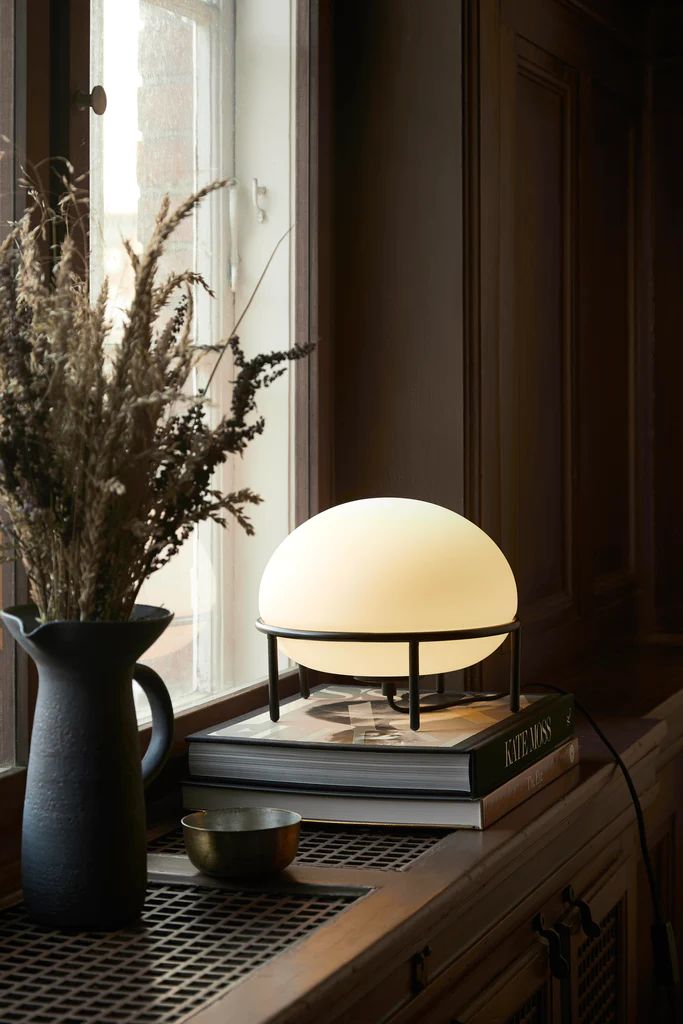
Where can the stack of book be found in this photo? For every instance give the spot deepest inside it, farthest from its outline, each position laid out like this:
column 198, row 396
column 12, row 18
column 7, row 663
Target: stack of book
column 344, row 755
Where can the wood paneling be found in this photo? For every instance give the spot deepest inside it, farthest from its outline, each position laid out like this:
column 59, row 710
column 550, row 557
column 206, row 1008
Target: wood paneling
column 313, row 485
column 668, row 311
column 537, row 327
column 557, row 247
column 7, row 184
column 398, row 394
column 530, row 421
column 607, row 333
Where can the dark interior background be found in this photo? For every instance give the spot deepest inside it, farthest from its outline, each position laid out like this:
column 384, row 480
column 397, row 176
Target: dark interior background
column 505, row 247
column 668, row 319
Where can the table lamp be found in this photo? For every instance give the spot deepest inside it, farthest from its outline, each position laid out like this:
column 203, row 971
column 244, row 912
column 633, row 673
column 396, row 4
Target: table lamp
column 388, row 589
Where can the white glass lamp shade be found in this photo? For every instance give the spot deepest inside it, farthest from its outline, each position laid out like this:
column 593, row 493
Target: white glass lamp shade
column 384, row 565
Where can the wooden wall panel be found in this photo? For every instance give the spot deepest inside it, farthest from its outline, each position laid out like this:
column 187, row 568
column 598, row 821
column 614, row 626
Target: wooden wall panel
column 536, row 333
column 668, row 312
column 607, row 335
column 398, row 393
column 557, row 456
column 528, row 421
column 540, row 331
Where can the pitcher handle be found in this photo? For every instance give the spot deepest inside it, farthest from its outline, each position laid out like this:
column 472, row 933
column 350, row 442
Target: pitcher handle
column 163, row 721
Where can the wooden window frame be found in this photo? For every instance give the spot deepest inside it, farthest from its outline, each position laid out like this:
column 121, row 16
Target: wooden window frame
column 56, row 45
column 17, row 689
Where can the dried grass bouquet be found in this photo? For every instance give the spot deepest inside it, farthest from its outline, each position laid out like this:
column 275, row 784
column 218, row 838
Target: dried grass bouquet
column 106, row 460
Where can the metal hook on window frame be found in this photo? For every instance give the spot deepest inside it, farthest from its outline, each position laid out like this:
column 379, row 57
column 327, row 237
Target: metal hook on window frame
column 257, row 194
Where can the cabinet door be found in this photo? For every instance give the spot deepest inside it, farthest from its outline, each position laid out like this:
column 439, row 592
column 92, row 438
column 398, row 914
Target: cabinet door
column 526, row 993
column 600, row 988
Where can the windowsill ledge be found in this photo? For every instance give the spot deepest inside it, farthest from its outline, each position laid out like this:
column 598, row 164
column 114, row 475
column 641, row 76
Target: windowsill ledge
column 220, row 709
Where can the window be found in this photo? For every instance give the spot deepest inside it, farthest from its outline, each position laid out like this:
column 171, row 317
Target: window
column 7, row 176
column 197, row 90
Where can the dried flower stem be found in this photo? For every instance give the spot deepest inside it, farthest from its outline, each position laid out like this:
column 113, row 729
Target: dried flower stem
column 106, row 463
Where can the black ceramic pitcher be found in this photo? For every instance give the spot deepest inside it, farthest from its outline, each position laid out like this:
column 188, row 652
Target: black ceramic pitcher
column 83, row 842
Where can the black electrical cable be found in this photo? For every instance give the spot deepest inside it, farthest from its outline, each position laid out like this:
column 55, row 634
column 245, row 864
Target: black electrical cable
column 457, row 701
column 662, row 935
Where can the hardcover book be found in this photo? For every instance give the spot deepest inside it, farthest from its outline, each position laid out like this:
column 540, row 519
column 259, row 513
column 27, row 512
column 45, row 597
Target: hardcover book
column 429, row 811
column 348, row 739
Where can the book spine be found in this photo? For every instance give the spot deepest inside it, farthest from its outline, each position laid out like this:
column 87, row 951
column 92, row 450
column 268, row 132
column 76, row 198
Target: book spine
column 532, row 735
column 514, row 792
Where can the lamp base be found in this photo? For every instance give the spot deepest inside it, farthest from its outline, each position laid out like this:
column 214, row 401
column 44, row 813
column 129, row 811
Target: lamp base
column 399, row 681
column 413, row 641
column 435, row 701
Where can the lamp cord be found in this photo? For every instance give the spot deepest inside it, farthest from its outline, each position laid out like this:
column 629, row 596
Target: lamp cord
column 662, row 935
column 456, row 701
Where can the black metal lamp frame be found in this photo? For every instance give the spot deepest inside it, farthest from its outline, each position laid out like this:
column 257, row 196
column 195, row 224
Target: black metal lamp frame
column 413, row 640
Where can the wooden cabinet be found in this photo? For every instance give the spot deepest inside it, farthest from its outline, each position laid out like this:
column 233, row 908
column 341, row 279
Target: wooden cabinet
column 526, row 993
column 575, row 968
column 570, row 962
column 599, row 937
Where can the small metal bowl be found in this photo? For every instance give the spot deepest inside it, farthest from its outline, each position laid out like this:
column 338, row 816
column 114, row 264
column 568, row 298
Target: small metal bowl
column 242, row 842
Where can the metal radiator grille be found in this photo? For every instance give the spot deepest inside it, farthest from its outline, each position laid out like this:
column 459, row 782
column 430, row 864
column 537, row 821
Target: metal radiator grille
column 386, row 849
column 599, row 973
column 192, row 944
column 533, row 1010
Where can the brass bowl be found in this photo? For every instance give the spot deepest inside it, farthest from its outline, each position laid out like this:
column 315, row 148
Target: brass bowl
column 242, row 842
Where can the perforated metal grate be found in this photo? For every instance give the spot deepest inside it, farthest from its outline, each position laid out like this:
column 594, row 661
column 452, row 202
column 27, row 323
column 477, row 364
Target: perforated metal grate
column 533, row 1010
column 384, row 849
column 599, row 967
column 192, row 944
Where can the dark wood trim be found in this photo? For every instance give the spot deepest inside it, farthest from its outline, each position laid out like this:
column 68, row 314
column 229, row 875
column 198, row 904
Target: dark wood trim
column 522, row 60
column 643, row 364
column 312, row 255
column 7, row 212
column 624, row 21
column 7, row 111
column 565, row 33
column 321, row 256
column 20, row 94
column 472, row 315
column 70, row 47
column 60, row 84
column 398, row 272
column 489, row 162
column 471, row 262
column 15, row 692
column 12, row 789
column 38, row 102
column 304, row 295
column 69, row 125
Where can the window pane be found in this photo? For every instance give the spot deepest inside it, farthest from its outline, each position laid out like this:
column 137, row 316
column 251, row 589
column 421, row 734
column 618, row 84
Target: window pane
column 199, row 90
